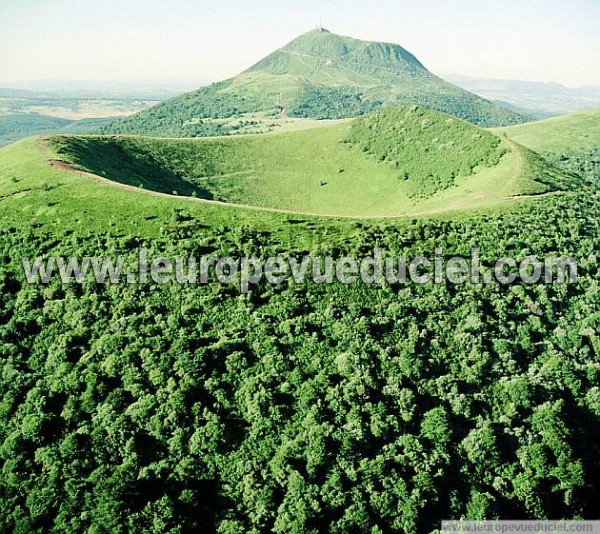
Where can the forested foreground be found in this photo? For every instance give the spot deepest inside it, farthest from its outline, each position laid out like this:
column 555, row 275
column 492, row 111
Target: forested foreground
column 303, row 408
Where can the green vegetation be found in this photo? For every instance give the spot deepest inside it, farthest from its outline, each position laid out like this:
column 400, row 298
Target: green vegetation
column 21, row 125
column 405, row 160
column 132, row 160
column 14, row 127
column 428, row 151
column 319, row 75
column 296, row 408
column 25, row 113
column 571, row 141
column 574, row 132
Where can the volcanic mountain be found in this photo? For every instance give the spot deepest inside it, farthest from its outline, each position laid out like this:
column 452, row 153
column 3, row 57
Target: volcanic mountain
column 318, row 75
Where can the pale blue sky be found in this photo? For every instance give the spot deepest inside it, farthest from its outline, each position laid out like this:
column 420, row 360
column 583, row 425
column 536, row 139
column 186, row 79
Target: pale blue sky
column 545, row 40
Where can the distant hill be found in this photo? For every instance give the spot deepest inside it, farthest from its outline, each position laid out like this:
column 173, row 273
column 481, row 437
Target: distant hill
column 572, row 142
column 319, row 75
column 25, row 112
column 574, row 132
column 19, row 125
column 537, row 98
column 154, row 89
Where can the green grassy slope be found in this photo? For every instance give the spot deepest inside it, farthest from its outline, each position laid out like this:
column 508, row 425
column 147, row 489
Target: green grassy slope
column 318, row 75
column 34, row 194
column 400, row 161
column 578, row 131
column 571, row 142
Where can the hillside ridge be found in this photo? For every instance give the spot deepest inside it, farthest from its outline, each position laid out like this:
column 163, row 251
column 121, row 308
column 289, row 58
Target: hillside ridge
column 398, row 161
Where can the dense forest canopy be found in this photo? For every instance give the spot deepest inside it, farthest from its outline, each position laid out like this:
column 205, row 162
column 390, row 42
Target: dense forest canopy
column 302, row 408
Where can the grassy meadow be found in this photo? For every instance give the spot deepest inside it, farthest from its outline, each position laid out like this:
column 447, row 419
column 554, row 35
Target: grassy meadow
column 574, row 132
column 400, row 162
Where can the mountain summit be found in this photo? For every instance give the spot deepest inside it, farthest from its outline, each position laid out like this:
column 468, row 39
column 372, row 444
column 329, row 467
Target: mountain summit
column 318, row 75
column 320, row 55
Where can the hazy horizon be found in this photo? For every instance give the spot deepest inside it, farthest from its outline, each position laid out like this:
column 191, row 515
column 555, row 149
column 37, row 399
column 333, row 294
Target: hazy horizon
column 193, row 82
column 545, row 41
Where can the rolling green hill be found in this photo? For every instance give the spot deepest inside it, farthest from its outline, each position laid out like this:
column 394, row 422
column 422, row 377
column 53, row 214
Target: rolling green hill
column 399, row 161
column 579, row 131
column 571, row 142
column 319, row 75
